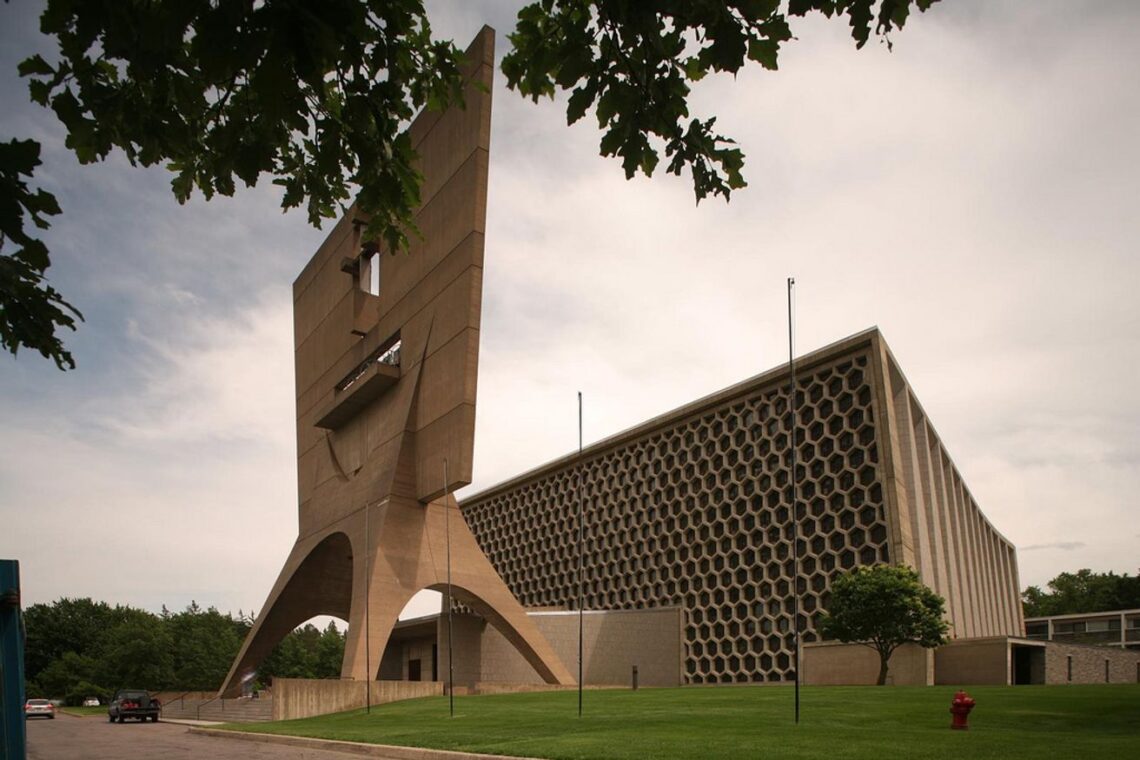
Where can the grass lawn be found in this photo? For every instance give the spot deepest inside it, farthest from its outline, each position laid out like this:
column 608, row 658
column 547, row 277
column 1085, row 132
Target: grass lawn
column 1040, row 722
column 85, row 712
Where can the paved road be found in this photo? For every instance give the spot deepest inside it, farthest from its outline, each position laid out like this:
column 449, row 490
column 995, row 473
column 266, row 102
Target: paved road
column 71, row 738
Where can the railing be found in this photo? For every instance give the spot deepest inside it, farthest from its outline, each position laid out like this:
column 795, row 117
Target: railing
column 389, row 356
column 198, row 714
column 178, row 699
column 1088, row 637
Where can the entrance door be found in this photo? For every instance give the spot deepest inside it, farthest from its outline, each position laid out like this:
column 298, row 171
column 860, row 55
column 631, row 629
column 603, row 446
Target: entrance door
column 413, row 670
column 1028, row 665
column 1021, row 666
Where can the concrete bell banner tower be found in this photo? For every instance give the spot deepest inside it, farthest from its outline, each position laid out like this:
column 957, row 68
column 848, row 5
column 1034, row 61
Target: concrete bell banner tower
column 386, row 356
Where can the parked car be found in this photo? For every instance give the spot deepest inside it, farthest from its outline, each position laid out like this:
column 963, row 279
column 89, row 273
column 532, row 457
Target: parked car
column 133, row 703
column 91, row 702
column 39, row 708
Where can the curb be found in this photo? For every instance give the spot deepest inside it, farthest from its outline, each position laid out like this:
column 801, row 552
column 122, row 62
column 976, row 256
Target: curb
column 384, row 751
column 190, row 722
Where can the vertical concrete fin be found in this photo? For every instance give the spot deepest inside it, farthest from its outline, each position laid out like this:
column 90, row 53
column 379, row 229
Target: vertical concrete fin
column 887, row 385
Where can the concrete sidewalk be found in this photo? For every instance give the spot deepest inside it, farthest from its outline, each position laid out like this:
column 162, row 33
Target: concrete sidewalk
column 191, row 721
column 381, row 751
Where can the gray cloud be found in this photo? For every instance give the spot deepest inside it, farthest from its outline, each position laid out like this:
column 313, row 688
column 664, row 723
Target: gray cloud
column 1066, row 546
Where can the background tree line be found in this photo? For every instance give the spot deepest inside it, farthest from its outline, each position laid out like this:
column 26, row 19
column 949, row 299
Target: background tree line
column 79, row 648
column 1083, row 591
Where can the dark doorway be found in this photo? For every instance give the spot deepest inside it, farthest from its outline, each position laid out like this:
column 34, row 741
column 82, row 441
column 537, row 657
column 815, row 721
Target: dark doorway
column 413, row 670
column 1020, row 665
column 435, row 662
column 1028, row 665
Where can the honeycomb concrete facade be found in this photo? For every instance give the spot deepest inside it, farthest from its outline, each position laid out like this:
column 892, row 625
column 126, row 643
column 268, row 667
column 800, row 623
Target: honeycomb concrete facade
column 693, row 510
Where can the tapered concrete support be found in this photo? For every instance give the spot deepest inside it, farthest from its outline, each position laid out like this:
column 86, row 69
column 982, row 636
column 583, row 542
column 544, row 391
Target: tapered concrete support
column 316, row 580
column 385, row 386
column 407, row 543
column 418, row 560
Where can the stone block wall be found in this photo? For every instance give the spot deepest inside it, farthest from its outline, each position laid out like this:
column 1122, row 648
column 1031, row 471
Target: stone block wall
column 422, row 651
column 468, row 649
column 303, row 698
column 613, row 642
column 838, row 664
column 989, row 661
column 973, row 662
column 1076, row 663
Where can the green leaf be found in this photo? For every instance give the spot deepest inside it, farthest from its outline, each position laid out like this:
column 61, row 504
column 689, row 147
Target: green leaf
column 34, row 66
column 608, row 106
column 695, row 71
column 611, row 141
column 649, row 161
column 580, row 100
column 18, row 157
column 726, row 53
column 39, row 91
column 764, row 52
column 573, row 68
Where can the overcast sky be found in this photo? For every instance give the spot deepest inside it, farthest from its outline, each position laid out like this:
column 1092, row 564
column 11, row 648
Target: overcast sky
column 973, row 193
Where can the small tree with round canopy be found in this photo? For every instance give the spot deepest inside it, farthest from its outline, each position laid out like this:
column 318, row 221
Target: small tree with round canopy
column 884, row 607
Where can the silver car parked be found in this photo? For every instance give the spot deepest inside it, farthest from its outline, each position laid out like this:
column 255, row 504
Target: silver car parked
column 39, row 708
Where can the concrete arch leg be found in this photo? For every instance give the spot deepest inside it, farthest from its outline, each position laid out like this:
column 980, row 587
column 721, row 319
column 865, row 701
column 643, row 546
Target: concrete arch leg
column 475, row 583
column 409, row 549
column 316, row 580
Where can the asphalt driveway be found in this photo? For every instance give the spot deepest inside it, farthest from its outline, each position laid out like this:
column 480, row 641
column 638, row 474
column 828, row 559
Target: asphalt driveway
column 94, row 738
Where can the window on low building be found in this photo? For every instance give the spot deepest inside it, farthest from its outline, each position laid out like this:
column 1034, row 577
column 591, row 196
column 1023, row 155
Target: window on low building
column 1102, row 625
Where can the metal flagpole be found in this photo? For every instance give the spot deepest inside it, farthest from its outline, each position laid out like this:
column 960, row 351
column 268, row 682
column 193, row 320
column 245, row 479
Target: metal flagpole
column 580, row 560
column 450, row 606
column 795, row 489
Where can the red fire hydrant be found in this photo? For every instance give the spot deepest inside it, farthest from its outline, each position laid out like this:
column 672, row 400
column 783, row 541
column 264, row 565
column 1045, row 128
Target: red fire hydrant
column 960, row 708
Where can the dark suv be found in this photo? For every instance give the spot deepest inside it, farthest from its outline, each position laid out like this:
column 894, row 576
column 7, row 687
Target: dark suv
column 133, row 703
